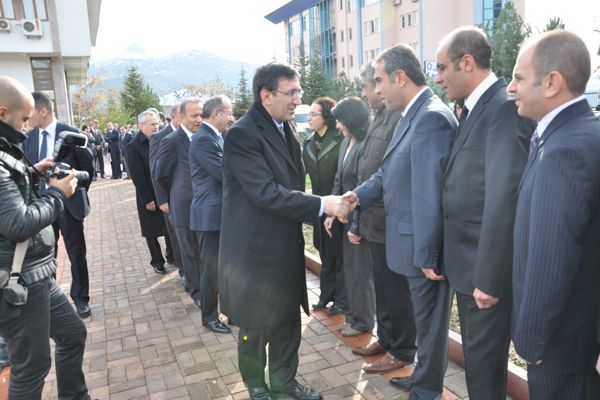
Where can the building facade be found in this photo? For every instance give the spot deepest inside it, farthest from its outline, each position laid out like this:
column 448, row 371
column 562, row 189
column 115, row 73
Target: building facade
column 353, row 32
column 46, row 45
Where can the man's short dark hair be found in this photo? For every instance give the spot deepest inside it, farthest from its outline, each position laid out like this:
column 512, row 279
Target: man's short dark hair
column 268, row 76
column 402, row 56
column 42, row 101
column 470, row 40
column 565, row 52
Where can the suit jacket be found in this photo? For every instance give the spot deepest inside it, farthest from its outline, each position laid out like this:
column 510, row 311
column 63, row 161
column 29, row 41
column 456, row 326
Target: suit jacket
column 152, row 223
column 206, row 157
column 173, row 173
column 557, row 231
column 114, row 141
column 262, row 278
column 162, row 194
column 479, row 194
column 80, row 159
column 410, row 183
column 321, row 166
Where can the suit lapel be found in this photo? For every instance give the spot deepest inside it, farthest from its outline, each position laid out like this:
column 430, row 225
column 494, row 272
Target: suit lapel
column 465, row 128
column 329, row 142
column 311, row 148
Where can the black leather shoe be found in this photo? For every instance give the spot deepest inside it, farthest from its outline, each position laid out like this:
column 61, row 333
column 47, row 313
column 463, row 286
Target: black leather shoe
column 259, row 393
column 83, row 309
column 335, row 310
column 170, row 260
column 185, row 283
column 299, row 392
column 159, row 269
column 320, row 305
column 216, row 326
column 402, row 382
column 198, row 303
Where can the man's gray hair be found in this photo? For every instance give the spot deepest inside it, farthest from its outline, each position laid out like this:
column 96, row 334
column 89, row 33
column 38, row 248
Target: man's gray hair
column 215, row 103
column 174, row 111
column 142, row 116
column 368, row 72
column 185, row 102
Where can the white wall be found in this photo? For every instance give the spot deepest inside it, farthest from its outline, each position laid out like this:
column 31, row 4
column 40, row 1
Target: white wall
column 17, row 67
column 15, row 42
column 73, row 28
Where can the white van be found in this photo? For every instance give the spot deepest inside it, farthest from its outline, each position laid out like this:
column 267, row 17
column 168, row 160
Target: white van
column 301, row 118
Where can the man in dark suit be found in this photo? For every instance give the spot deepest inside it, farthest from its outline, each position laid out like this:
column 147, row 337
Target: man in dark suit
column 206, row 156
column 151, row 218
column 173, row 174
column 410, row 183
column 39, row 145
column 262, row 280
column 162, row 195
column 478, row 201
column 557, row 225
column 114, row 148
column 125, row 137
column 98, row 144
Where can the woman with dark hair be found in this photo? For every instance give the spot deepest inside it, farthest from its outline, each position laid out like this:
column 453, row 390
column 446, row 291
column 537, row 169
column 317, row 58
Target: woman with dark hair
column 320, row 157
column 352, row 116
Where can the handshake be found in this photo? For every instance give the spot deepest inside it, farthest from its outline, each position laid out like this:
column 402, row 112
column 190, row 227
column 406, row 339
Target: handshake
column 340, row 206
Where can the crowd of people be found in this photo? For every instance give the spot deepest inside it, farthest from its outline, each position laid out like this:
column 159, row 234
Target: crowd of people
column 496, row 203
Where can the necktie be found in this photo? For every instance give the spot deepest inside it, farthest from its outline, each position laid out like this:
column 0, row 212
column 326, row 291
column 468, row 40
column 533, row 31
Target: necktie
column 282, row 131
column 220, row 140
column 464, row 114
column 535, row 140
column 44, row 146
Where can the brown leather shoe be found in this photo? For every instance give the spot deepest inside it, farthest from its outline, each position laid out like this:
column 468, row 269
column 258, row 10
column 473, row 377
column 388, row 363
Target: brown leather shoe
column 371, row 350
column 386, row 363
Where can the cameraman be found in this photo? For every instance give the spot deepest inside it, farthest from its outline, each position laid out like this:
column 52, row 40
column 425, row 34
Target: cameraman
column 39, row 145
column 47, row 312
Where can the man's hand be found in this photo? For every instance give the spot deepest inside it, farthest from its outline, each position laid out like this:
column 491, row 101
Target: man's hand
column 68, row 184
column 351, row 198
column 151, row 206
column 338, row 207
column 433, row 274
column 483, row 300
column 328, row 223
column 354, row 239
column 598, row 365
column 164, row 207
column 43, row 165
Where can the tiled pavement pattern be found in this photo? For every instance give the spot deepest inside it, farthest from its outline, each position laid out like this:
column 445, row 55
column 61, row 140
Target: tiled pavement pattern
column 145, row 336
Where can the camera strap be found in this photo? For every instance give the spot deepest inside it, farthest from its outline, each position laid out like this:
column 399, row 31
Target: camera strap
column 20, row 250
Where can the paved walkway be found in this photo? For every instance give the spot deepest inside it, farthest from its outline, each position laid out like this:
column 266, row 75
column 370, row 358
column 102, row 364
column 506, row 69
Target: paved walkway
column 145, row 336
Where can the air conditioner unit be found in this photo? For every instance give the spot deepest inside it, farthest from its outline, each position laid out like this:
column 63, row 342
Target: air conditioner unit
column 4, row 25
column 32, row 27
column 397, row 2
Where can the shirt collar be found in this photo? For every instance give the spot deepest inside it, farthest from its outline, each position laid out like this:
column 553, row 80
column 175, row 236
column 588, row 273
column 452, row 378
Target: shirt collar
column 473, row 98
column 187, row 132
column 278, row 124
column 51, row 129
column 211, row 126
column 412, row 101
column 547, row 119
column 172, row 126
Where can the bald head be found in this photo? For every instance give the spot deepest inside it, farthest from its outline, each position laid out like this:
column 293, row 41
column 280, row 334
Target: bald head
column 16, row 103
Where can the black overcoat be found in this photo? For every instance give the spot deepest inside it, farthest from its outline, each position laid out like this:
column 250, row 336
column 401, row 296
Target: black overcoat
column 151, row 222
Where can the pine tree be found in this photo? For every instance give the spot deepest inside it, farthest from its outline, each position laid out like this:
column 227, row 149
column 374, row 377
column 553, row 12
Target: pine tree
column 137, row 96
column 317, row 83
column 555, row 23
column 243, row 97
column 509, row 33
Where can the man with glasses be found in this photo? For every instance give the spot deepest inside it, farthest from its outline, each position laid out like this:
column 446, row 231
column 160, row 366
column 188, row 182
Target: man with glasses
column 262, row 280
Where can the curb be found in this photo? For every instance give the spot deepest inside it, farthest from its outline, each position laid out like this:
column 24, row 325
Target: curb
column 516, row 384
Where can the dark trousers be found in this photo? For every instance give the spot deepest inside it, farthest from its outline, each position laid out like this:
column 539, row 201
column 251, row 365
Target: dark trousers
column 396, row 329
column 486, row 336
column 74, row 238
column 331, row 280
column 100, row 163
column 47, row 313
column 283, row 340
column 360, row 290
column 190, row 259
column 545, row 385
column 208, row 243
column 156, row 257
column 115, row 164
column 431, row 305
column 173, row 250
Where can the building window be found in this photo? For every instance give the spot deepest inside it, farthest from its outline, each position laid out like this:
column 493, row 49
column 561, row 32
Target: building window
column 368, row 2
column 295, row 27
column 35, row 9
column 351, row 6
column 415, row 20
column 402, row 21
column 372, row 26
column 351, row 60
column 491, row 11
column 349, row 33
column 41, row 71
column 341, row 4
column 343, row 62
column 7, row 9
column 341, row 36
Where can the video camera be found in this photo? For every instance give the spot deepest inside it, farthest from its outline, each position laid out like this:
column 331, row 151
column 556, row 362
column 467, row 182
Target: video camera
column 63, row 145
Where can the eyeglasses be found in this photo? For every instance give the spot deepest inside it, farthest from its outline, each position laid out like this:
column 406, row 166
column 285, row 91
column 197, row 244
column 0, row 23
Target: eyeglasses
column 292, row 93
column 314, row 114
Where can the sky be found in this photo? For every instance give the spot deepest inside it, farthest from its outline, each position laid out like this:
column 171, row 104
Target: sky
column 233, row 29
